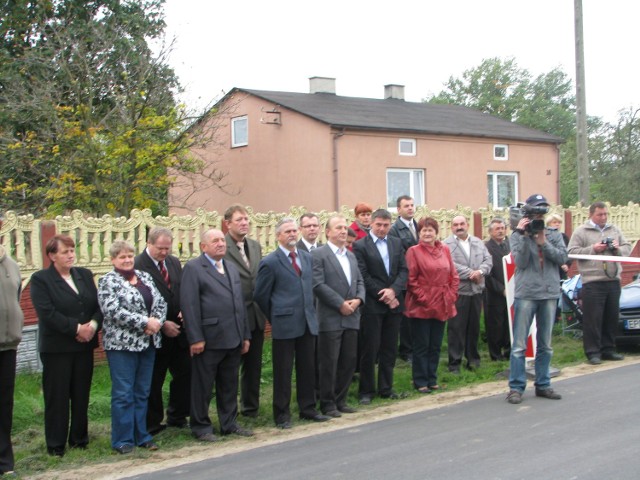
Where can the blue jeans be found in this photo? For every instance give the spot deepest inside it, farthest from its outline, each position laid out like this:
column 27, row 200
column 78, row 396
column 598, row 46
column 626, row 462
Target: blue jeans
column 131, row 374
column 544, row 312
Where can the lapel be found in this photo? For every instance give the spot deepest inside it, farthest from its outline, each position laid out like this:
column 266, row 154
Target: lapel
column 63, row 285
column 212, row 272
column 375, row 253
column 254, row 256
column 286, row 262
column 335, row 264
column 234, row 253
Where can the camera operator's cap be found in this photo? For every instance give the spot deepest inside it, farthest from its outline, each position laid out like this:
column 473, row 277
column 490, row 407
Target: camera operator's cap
column 537, row 200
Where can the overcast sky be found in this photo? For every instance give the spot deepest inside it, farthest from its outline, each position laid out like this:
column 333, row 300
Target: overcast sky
column 366, row 44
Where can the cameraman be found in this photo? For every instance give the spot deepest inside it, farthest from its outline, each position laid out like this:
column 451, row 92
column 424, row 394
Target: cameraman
column 600, row 283
column 538, row 254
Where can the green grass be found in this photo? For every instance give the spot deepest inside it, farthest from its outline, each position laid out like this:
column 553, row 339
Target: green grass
column 28, row 430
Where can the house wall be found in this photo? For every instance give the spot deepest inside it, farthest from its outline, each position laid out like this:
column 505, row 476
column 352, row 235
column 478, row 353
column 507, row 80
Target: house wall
column 291, row 164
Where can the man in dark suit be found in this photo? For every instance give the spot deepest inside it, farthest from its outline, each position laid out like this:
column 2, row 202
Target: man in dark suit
column 166, row 271
column 339, row 289
column 405, row 228
column 496, row 316
column 310, row 232
column 382, row 264
column 284, row 292
column 246, row 254
column 218, row 333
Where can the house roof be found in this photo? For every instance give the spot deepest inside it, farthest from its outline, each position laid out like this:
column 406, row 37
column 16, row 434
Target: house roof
column 401, row 116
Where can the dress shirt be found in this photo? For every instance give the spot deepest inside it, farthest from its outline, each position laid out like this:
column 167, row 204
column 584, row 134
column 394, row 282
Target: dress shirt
column 383, row 248
column 343, row 260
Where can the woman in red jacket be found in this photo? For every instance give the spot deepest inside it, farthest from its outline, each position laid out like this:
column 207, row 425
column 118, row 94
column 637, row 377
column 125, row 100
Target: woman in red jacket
column 432, row 291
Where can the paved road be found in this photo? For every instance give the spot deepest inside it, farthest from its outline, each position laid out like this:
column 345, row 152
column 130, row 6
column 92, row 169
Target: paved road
column 592, row 433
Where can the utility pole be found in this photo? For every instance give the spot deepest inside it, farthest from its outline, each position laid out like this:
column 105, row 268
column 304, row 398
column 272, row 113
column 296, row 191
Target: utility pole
column 581, row 110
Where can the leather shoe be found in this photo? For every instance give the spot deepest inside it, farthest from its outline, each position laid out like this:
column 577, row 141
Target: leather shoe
column 284, row 425
column 614, row 356
column 548, row 393
column 181, row 425
column 514, row 397
column 152, row 446
column 365, row 400
column 241, row 432
column 393, row 396
column 157, row 429
column 333, row 414
column 347, row 409
column 595, row 360
column 123, row 449
column 316, row 418
column 206, row 437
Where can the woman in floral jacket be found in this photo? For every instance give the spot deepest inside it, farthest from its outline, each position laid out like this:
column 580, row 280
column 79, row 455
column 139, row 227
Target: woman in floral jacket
column 134, row 312
column 432, row 291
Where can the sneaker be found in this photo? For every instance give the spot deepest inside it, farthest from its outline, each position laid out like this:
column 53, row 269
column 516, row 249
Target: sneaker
column 548, row 393
column 514, row 397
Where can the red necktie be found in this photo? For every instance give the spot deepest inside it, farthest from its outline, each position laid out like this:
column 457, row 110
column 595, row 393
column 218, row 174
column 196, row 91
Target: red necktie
column 164, row 273
column 294, row 263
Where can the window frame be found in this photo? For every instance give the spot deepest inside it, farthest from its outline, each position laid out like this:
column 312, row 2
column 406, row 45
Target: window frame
column 419, row 197
column 503, row 158
column 234, row 121
column 495, row 175
column 412, row 142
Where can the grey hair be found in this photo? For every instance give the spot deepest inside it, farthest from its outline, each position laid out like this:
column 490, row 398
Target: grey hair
column 284, row 220
column 120, row 246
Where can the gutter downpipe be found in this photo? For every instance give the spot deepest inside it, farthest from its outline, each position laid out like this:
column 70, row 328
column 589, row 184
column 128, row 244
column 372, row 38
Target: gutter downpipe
column 336, row 181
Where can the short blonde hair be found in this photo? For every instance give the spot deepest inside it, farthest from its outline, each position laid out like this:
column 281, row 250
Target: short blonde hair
column 552, row 217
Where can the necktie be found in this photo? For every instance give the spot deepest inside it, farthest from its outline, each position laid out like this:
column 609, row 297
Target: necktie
column 412, row 228
column 164, row 273
column 219, row 267
column 294, row 263
column 243, row 254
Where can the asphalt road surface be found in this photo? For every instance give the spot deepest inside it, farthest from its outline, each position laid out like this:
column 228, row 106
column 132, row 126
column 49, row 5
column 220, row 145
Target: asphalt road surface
column 592, row 433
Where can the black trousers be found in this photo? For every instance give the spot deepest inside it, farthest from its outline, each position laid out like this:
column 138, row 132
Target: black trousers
column 496, row 321
column 337, row 357
column 284, row 351
column 219, row 367
column 177, row 361
column 66, row 385
column 601, row 309
column 463, row 331
column 405, row 347
column 250, row 373
column 7, row 387
column 379, row 341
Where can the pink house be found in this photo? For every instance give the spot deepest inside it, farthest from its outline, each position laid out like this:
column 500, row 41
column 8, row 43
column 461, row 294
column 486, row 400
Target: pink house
column 322, row 151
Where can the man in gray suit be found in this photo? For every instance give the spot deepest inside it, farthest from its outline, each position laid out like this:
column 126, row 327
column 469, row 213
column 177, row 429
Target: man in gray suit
column 284, row 292
column 215, row 321
column 339, row 288
column 246, row 254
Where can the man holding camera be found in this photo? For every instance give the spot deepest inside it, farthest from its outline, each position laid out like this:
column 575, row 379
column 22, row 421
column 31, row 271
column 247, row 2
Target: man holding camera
column 537, row 253
column 600, row 283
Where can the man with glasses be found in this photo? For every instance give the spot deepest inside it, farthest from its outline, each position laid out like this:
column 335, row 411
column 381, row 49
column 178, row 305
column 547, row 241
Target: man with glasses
column 310, row 229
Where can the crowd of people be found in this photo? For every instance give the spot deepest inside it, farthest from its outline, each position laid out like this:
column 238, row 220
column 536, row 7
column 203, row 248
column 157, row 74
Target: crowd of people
column 375, row 291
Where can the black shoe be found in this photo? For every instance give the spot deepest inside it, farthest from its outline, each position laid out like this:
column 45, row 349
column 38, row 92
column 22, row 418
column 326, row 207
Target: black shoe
column 514, row 397
column 156, row 429
column 365, row 400
column 123, row 449
column 595, row 360
column 548, row 393
column 333, row 414
column 454, row 370
column 316, row 418
column 614, row 356
column 206, row 437
column 394, row 396
column 180, row 425
column 284, row 425
column 152, row 446
column 56, row 452
column 249, row 414
column 241, row 432
column 347, row 409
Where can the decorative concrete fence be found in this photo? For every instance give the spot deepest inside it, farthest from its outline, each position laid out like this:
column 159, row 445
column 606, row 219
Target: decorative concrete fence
column 24, row 236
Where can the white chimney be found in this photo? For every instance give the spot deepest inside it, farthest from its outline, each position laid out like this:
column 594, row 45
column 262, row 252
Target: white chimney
column 322, row 85
column 394, row 91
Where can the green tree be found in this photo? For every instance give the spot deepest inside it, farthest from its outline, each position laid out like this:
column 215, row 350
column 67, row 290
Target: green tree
column 89, row 116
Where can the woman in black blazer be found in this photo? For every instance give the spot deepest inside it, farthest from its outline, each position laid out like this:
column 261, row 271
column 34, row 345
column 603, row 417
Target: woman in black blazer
column 66, row 301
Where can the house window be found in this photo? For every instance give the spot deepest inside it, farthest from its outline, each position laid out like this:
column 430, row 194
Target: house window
column 502, row 189
column 239, row 131
column 401, row 181
column 407, row 146
column 501, row 152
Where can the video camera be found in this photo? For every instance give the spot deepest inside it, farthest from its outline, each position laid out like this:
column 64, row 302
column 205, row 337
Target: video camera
column 609, row 243
column 520, row 210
